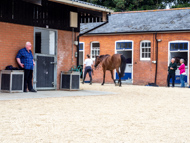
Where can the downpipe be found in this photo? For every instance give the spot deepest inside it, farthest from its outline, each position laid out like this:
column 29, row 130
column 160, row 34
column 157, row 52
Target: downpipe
column 86, row 33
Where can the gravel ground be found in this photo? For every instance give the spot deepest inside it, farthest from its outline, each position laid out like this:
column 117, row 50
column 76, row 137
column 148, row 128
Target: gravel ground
column 135, row 114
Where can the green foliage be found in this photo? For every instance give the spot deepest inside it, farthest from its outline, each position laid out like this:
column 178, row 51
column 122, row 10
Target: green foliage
column 132, row 5
column 181, row 5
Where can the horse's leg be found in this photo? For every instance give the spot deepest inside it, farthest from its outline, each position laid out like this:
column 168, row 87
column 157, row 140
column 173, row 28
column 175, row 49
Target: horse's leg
column 118, row 75
column 104, row 72
column 112, row 75
column 120, row 78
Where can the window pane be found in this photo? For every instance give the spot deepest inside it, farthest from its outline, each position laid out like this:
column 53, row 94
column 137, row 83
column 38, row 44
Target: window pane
column 118, row 45
column 181, row 46
column 142, row 44
column 80, row 46
column 172, row 46
column 142, row 55
column 149, row 44
column 129, row 45
column 175, row 46
column 122, row 45
column 146, row 44
column 145, row 55
column 148, row 55
column 185, row 46
column 95, row 44
column 142, row 49
column 98, row 53
column 126, row 45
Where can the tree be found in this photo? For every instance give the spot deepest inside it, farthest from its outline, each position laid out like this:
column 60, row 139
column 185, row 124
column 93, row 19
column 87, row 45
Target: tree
column 131, row 5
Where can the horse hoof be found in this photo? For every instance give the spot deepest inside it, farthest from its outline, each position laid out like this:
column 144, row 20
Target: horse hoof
column 102, row 83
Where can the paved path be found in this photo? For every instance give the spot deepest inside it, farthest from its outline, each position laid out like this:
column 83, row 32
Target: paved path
column 52, row 94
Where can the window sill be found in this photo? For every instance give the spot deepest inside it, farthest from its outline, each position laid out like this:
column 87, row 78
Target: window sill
column 146, row 60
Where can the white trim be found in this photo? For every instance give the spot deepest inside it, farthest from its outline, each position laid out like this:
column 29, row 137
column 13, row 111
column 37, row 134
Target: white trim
column 55, row 58
column 82, row 50
column 84, row 5
column 93, row 59
column 179, row 41
column 126, row 50
column 145, row 59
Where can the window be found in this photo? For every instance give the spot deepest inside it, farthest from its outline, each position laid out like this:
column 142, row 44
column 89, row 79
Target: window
column 145, row 50
column 95, row 50
column 124, row 45
column 178, row 46
column 81, row 46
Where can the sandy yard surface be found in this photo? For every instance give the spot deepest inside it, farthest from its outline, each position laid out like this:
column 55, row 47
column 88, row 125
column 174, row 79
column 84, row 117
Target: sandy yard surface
column 135, row 114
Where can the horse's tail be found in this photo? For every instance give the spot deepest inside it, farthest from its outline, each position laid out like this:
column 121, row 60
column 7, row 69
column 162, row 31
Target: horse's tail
column 123, row 65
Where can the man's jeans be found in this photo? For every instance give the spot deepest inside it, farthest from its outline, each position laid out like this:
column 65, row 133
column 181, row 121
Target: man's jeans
column 182, row 80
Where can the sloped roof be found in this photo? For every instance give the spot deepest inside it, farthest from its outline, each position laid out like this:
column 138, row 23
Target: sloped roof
column 164, row 20
column 83, row 4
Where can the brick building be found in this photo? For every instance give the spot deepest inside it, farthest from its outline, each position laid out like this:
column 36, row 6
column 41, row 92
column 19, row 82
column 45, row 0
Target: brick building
column 148, row 40
column 51, row 26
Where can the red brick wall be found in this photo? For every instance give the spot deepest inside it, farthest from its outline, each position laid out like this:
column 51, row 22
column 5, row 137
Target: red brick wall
column 143, row 71
column 64, row 53
column 13, row 37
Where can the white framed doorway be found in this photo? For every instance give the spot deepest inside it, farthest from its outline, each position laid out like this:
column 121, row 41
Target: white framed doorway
column 125, row 47
column 45, row 56
column 179, row 49
column 81, row 56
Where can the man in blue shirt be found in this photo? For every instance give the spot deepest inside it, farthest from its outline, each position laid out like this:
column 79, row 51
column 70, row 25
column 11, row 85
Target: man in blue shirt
column 26, row 62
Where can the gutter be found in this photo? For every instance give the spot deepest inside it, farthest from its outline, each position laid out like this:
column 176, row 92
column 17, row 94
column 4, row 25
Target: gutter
column 86, row 33
column 140, row 32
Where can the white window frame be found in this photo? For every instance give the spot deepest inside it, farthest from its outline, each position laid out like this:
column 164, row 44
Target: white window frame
column 91, row 50
column 82, row 50
column 141, row 58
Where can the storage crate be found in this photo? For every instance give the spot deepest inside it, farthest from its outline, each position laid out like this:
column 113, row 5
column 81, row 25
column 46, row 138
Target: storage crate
column 12, row 81
column 70, row 80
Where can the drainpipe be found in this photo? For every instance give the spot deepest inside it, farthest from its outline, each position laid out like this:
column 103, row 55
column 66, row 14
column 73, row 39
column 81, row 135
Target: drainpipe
column 157, row 40
column 86, row 33
column 156, row 58
column 72, row 44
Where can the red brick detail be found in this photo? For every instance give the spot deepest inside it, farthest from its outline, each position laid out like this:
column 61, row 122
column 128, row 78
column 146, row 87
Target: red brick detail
column 143, row 71
column 64, row 53
column 13, row 37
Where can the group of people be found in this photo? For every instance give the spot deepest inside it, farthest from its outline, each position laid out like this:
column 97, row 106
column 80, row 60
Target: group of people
column 171, row 72
column 26, row 62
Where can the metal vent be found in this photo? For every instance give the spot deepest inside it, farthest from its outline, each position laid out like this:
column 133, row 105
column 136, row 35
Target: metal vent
column 5, row 82
column 17, row 82
column 70, row 80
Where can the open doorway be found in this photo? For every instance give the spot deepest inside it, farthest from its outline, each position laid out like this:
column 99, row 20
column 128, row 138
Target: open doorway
column 179, row 50
column 81, row 57
column 125, row 48
column 45, row 71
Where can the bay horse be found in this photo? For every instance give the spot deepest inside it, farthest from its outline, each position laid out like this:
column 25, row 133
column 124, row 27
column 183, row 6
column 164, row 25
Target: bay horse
column 116, row 61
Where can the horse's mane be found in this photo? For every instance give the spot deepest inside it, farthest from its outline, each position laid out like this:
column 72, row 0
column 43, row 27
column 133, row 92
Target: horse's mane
column 103, row 56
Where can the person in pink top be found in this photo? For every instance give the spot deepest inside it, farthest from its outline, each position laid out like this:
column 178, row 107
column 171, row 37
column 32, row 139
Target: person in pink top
column 182, row 72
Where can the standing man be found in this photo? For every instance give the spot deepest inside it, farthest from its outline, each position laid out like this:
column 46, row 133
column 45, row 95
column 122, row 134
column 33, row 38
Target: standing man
column 26, row 62
column 88, row 68
column 171, row 72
